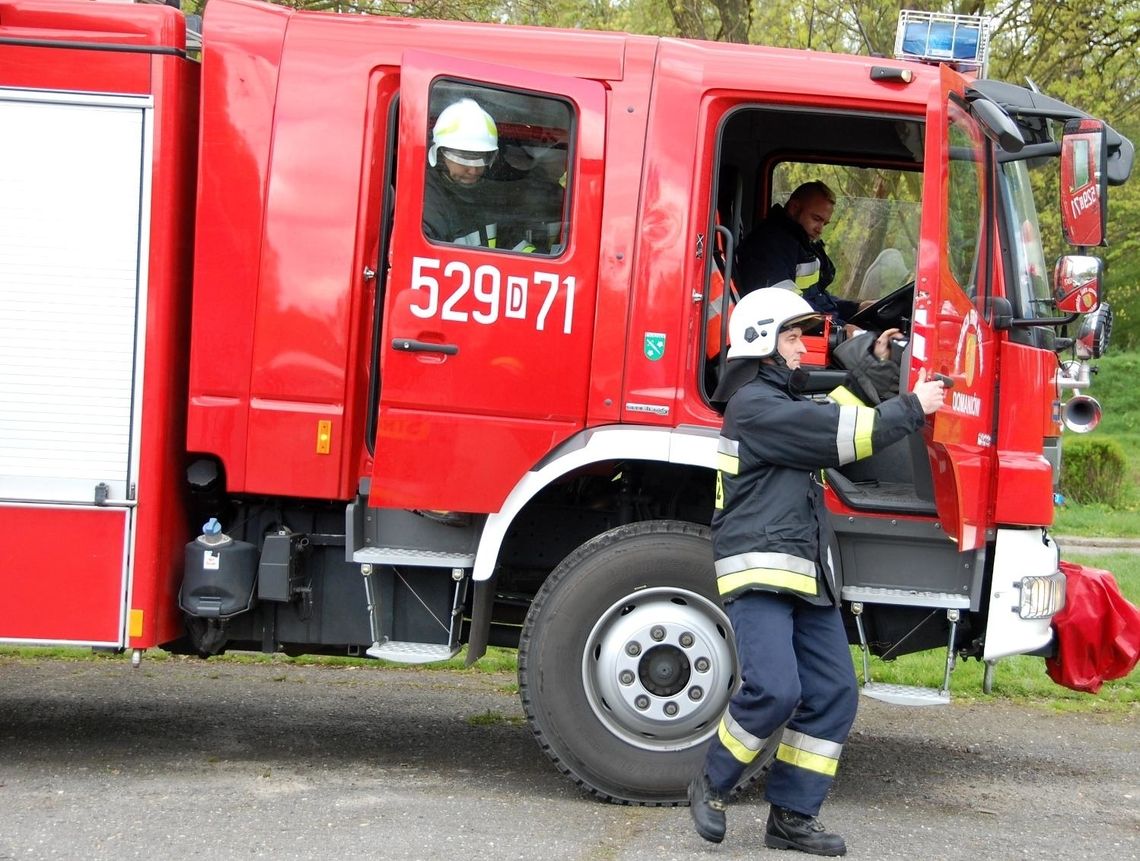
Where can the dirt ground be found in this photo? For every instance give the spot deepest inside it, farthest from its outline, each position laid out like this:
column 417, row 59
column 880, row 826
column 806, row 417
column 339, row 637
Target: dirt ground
column 225, row 760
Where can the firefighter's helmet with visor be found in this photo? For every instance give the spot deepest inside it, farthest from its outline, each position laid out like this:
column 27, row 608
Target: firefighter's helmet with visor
column 465, row 134
column 760, row 316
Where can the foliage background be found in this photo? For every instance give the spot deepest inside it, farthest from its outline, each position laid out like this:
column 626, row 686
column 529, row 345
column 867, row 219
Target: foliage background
column 1084, row 52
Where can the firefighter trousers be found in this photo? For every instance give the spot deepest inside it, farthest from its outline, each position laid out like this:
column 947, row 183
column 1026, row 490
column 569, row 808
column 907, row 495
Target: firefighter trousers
column 796, row 669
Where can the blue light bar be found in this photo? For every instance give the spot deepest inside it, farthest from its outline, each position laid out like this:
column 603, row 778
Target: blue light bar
column 933, row 37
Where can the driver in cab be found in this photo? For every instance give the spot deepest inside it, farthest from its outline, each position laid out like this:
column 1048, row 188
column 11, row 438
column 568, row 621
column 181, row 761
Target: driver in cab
column 786, row 246
column 785, row 250
column 459, row 206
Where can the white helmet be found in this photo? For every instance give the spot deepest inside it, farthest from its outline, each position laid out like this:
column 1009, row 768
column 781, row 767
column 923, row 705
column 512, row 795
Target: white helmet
column 467, row 133
column 761, row 315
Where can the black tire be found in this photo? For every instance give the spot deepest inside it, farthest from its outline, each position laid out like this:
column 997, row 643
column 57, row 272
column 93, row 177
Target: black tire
column 599, row 704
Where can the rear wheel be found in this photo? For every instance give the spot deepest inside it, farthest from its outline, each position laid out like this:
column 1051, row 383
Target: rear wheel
column 627, row 662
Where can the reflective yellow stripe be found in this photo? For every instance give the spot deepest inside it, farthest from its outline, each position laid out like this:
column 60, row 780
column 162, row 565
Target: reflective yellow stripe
column 864, row 426
column 728, row 455
column 803, row 741
column 765, row 559
column 807, row 274
column 802, row 583
column 807, row 760
column 853, row 434
column 845, row 397
column 727, row 463
column 719, row 490
column 739, row 750
column 750, row 741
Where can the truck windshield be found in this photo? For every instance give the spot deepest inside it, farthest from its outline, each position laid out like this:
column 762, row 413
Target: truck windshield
column 1028, row 287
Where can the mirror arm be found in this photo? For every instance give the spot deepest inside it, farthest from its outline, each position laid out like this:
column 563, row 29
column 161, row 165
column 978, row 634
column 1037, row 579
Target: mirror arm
column 1041, row 150
column 1033, row 322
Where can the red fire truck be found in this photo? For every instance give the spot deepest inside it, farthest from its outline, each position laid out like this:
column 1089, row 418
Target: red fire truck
column 218, row 306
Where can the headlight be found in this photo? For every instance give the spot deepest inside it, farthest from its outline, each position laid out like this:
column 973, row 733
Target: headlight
column 1041, row 597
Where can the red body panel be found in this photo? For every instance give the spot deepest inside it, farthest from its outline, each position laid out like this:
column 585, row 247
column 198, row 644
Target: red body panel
column 80, row 601
column 95, row 606
column 76, row 69
column 239, row 75
column 1027, row 390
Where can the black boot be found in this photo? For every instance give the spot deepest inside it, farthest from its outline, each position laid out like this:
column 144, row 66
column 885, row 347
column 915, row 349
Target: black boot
column 790, row 830
column 706, row 806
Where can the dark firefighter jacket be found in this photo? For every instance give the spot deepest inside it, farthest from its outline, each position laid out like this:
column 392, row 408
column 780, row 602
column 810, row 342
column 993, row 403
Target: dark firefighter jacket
column 517, row 215
column 770, row 530
column 464, row 215
column 779, row 250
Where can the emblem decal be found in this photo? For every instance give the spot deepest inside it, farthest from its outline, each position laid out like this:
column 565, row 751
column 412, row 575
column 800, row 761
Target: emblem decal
column 654, row 345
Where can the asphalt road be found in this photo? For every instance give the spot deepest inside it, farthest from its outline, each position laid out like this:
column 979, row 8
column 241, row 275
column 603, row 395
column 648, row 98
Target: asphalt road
column 185, row 758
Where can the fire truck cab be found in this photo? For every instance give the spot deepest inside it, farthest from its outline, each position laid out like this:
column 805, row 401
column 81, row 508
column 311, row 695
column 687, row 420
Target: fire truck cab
column 403, row 442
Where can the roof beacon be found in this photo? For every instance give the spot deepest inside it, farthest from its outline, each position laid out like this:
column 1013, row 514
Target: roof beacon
column 960, row 41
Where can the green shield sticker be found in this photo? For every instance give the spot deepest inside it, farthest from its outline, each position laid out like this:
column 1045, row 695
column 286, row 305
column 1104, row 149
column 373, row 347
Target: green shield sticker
column 654, row 345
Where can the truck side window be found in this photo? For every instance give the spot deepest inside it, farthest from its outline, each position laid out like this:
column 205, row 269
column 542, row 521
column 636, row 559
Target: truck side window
column 966, row 193
column 497, row 168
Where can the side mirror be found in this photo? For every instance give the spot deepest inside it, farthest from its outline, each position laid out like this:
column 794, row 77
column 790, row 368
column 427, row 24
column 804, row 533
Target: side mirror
column 1084, row 182
column 1076, row 283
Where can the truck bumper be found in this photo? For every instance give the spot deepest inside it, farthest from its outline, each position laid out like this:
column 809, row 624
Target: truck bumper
column 1026, row 590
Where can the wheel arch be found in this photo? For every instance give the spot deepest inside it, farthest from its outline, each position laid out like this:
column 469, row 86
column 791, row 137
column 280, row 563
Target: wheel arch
column 688, row 446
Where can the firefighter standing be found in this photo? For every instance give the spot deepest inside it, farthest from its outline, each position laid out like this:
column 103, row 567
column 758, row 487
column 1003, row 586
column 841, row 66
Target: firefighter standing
column 772, row 545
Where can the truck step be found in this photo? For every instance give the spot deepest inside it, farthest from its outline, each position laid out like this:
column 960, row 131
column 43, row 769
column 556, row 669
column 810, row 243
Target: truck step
column 412, row 653
column 414, row 557
column 905, row 597
column 906, row 695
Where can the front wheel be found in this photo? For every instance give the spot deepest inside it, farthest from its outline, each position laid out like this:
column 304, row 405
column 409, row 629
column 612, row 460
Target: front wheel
column 627, row 662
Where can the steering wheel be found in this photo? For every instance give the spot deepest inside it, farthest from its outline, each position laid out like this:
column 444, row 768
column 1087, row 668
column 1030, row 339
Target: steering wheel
column 888, row 312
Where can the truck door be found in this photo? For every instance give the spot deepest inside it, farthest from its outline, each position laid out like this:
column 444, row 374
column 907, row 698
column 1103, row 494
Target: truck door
column 488, row 324
column 950, row 334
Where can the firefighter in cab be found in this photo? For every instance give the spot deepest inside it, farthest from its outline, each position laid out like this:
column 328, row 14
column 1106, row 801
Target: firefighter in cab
column 459, row 207
column 775, row 571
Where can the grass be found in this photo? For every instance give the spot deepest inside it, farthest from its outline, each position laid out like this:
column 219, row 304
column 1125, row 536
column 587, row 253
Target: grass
column 1023, row 678
column 1114, row 387
column 495, row 661
column 1098, row 521
column 1019, row 678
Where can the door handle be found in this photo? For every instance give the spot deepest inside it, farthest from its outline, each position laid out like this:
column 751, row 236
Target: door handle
column 411, row 345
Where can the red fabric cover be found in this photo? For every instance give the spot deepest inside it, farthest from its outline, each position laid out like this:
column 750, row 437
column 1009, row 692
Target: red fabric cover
column 1098, row 631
